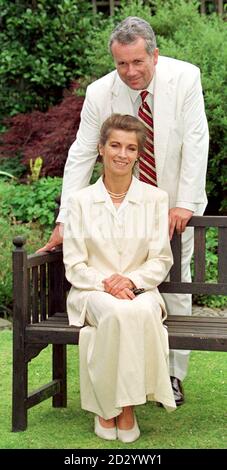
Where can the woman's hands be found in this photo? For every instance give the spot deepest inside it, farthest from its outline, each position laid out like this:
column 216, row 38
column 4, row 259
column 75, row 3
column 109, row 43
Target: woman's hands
column 119, row 286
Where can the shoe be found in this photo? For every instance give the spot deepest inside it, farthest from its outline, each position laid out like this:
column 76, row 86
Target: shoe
column 110, row 434
column 177, row 391
column 129, row 435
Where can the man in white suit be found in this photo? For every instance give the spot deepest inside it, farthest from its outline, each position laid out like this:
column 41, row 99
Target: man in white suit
column 180, row 142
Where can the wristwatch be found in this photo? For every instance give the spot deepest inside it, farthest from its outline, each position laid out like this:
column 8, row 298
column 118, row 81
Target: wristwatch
column 137, row 291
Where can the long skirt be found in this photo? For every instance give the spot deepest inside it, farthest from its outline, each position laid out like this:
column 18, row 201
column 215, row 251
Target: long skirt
column 124, row 354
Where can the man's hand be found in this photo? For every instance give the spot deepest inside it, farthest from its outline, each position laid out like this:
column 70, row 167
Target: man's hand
column 55, row 240
column 119, row 286
column 178, row 218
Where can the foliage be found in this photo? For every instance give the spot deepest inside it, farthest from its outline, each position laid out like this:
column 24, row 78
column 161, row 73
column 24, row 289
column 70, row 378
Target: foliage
column 181, row 33
column 96, row 172
column 35, row 238
column 8, row 175
column 41, row 44
column 25, row 210
column 13, row 166
column 35, row 169
column 219, row 301
column 184, row 34
column 48, row 134
column 29, row 203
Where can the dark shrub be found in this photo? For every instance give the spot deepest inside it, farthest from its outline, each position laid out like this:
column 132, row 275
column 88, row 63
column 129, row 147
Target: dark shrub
column 42, row 51
column 48, row 135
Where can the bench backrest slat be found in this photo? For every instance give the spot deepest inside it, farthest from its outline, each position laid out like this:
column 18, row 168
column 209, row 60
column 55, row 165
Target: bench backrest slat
column 56, row 290
column 199, row 254
column 199, row 284
column 43, row 292
column 193, row 288
column 175, row 272
column 222, row 257
column 34, row 292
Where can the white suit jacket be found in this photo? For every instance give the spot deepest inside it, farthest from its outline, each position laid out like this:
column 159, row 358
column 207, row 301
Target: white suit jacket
column 180, row 133
column 100, row 241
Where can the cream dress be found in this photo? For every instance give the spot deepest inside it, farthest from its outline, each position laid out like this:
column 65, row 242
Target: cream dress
column 124, row 347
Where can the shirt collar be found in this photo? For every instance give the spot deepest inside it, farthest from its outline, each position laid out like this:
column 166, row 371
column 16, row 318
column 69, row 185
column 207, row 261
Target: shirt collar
column 135, row 93
column 134, row 193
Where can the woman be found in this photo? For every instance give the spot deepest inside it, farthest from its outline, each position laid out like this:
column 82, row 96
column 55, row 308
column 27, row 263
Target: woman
column 116, row 245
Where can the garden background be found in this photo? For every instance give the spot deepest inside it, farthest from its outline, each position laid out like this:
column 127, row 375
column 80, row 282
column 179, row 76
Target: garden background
column 50, row 50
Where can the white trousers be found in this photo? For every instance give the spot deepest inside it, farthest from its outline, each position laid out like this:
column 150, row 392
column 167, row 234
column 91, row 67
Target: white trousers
column 181, row 304
column 123, row 354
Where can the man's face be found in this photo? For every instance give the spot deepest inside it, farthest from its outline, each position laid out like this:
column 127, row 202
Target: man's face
column 134, row 65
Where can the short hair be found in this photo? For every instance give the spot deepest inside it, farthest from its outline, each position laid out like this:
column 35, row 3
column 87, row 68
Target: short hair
column 130, row 29
column 123, row 122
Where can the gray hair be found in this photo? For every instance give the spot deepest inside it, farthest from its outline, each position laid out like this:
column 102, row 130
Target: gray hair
column 132, row 28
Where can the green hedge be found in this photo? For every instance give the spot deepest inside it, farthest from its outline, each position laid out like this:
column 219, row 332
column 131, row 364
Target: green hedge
column 41, row 51
column 25, row 210
column 35, row 238
column 31, row 202
column 219, row 301
column 45, row 48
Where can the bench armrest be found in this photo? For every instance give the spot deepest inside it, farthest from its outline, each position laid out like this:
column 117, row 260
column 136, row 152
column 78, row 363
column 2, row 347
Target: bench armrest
column 39, row 284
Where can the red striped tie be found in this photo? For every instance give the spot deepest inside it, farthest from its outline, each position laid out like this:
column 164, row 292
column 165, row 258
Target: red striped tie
column 147, row 170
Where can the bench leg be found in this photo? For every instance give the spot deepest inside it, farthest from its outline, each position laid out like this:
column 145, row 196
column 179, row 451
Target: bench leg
column 59, row 373
column 20, row 393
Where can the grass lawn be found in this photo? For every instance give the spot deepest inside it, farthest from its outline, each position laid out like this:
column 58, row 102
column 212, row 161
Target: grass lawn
column 199, row 424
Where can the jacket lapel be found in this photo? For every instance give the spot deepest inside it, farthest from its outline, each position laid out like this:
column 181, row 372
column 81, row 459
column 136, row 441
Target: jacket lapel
column 163, row 116
column 100, row 197
column 121, row 101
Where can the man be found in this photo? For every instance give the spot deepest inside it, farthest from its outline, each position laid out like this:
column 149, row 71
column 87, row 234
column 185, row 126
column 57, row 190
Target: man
column 172, row 104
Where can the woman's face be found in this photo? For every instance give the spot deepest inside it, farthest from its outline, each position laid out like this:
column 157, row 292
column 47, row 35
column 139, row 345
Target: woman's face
column 119, row 153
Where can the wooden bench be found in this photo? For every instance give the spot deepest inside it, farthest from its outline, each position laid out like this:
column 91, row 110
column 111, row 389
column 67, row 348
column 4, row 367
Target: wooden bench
column 40, row 318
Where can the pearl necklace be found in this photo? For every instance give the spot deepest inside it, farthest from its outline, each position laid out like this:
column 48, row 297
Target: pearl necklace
column 117, row 196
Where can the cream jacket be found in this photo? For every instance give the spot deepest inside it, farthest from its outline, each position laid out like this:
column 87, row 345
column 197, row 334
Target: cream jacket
column 100, row 240
column 180, row 133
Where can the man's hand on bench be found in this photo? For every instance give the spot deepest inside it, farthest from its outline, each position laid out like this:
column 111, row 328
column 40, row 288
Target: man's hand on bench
column 55, row 240
column 178, row 219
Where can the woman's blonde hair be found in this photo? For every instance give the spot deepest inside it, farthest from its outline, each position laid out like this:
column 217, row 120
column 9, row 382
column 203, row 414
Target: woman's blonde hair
column 123, row 122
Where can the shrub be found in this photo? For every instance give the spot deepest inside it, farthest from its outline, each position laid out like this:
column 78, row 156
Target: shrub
column 25, row 210
column 48, row 135
column 35, row 238
column 41, row 44
column 97, row 172
column 211, row 272
column 181, row 32
column 13, row 166
column 22, row 203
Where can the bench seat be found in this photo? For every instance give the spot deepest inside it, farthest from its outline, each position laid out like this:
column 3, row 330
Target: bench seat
column 200, row 333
